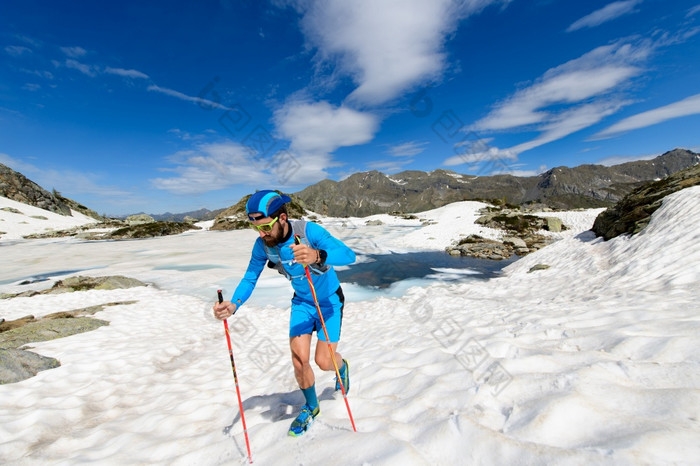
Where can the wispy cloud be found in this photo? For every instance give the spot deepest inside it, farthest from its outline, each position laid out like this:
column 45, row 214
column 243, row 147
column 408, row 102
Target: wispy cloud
column 17, row 50
column 32, row 87
column 407, row 149
column 572, row 96
column 620, row 159
column 388, row 166
column 571, row 121
column 487, row 155
column 68, row 182
column 187, row 98
column 73, row 52
column 316, row 129
column 693, row 11
column 88, row 70
column 17, row 165
column 126, row 73
column 593, row 74
column 686, row 107
column 210, row 167
column 607, row 13
column 388, row 46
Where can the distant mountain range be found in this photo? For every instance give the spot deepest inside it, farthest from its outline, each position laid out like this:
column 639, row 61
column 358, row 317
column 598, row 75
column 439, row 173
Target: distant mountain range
column 373, row 192
column 201, row 214
column 585, row 186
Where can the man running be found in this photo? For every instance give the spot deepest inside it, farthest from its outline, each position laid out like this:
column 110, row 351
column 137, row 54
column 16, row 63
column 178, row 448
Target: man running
column 319, row 251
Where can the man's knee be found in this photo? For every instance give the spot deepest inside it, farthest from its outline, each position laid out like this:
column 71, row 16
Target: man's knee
column 323, row 361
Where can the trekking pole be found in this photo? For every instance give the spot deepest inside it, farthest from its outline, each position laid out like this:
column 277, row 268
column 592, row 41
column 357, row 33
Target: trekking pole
column 235, row 379
column 297, row 240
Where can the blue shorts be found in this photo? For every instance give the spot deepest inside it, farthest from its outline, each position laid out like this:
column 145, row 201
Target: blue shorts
column 304, row 317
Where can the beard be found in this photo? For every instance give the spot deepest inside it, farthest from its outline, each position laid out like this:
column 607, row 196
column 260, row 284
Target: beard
column 275, row 237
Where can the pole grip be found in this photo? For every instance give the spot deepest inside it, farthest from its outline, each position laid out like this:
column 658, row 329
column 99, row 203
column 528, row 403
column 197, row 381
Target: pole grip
column 221, row 297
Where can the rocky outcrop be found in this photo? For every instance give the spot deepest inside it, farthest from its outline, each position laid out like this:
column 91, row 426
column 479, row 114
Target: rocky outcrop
column 151, row 230
column 139, row 219
column 482, row 248
column 16, row 363
column 15, row 186
column 79, row 207
column 91, row 231
column 80, row 283
column 521, row 236
column 633, row 212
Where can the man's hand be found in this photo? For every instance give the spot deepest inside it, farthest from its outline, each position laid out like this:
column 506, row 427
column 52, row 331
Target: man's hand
column 304, row 255
column 224, row 310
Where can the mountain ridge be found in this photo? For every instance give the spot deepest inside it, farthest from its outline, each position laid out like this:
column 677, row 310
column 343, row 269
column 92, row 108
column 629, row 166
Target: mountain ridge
column 583, row 186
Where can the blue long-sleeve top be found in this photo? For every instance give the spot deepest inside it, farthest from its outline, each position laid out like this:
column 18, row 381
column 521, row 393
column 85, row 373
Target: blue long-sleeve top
column 317, row 237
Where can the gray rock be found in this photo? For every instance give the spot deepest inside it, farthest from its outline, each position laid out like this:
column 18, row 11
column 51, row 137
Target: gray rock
column 633, row 212
column 80, row 283
column 515, row 242
column 17, row 365
column 18, row 187
column 374, row 222
column 139, row 219
column 151, row 230
column 538, row 267
column 47, row 329
column 554, row 224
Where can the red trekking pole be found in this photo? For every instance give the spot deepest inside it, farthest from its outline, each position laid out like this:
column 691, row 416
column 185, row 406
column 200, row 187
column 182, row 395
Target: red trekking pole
column 235, row 379
column 297, row 240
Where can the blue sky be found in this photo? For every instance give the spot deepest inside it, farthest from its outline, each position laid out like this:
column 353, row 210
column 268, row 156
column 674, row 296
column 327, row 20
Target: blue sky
column 173, row 106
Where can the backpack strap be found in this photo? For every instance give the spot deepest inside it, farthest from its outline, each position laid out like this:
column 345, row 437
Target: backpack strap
column 298, row 228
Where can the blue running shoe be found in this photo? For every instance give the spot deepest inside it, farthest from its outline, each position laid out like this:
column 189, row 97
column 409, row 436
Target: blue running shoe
column 345, row 376
column 303, row 421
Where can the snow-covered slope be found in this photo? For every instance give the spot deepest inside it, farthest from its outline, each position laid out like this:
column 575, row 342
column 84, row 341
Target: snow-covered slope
column 30, row 220
column 592, row 361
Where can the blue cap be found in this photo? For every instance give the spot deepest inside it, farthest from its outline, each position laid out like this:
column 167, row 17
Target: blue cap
column 265, row 202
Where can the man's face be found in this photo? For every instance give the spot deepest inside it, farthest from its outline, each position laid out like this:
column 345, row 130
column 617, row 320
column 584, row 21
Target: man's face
column 273, row 237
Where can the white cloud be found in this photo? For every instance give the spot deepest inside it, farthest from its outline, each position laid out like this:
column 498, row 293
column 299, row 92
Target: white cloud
column 31, row 87
column 94, row 70
column 607, row 13
column 620, row 159
column 572, row 96
column 88, row 70
column 212, row 166
column 407, row 149
column 179, row 95
column 126, row 73
column 389, row 166
column 73, row 52
column 387, row 46
column 317, row 129
column 693, row 11
column 68, row 182
column 570, row 122
column 595, row 73
column 18, row 165
column 17, row 50
column 489, row 155
column 688, row 106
